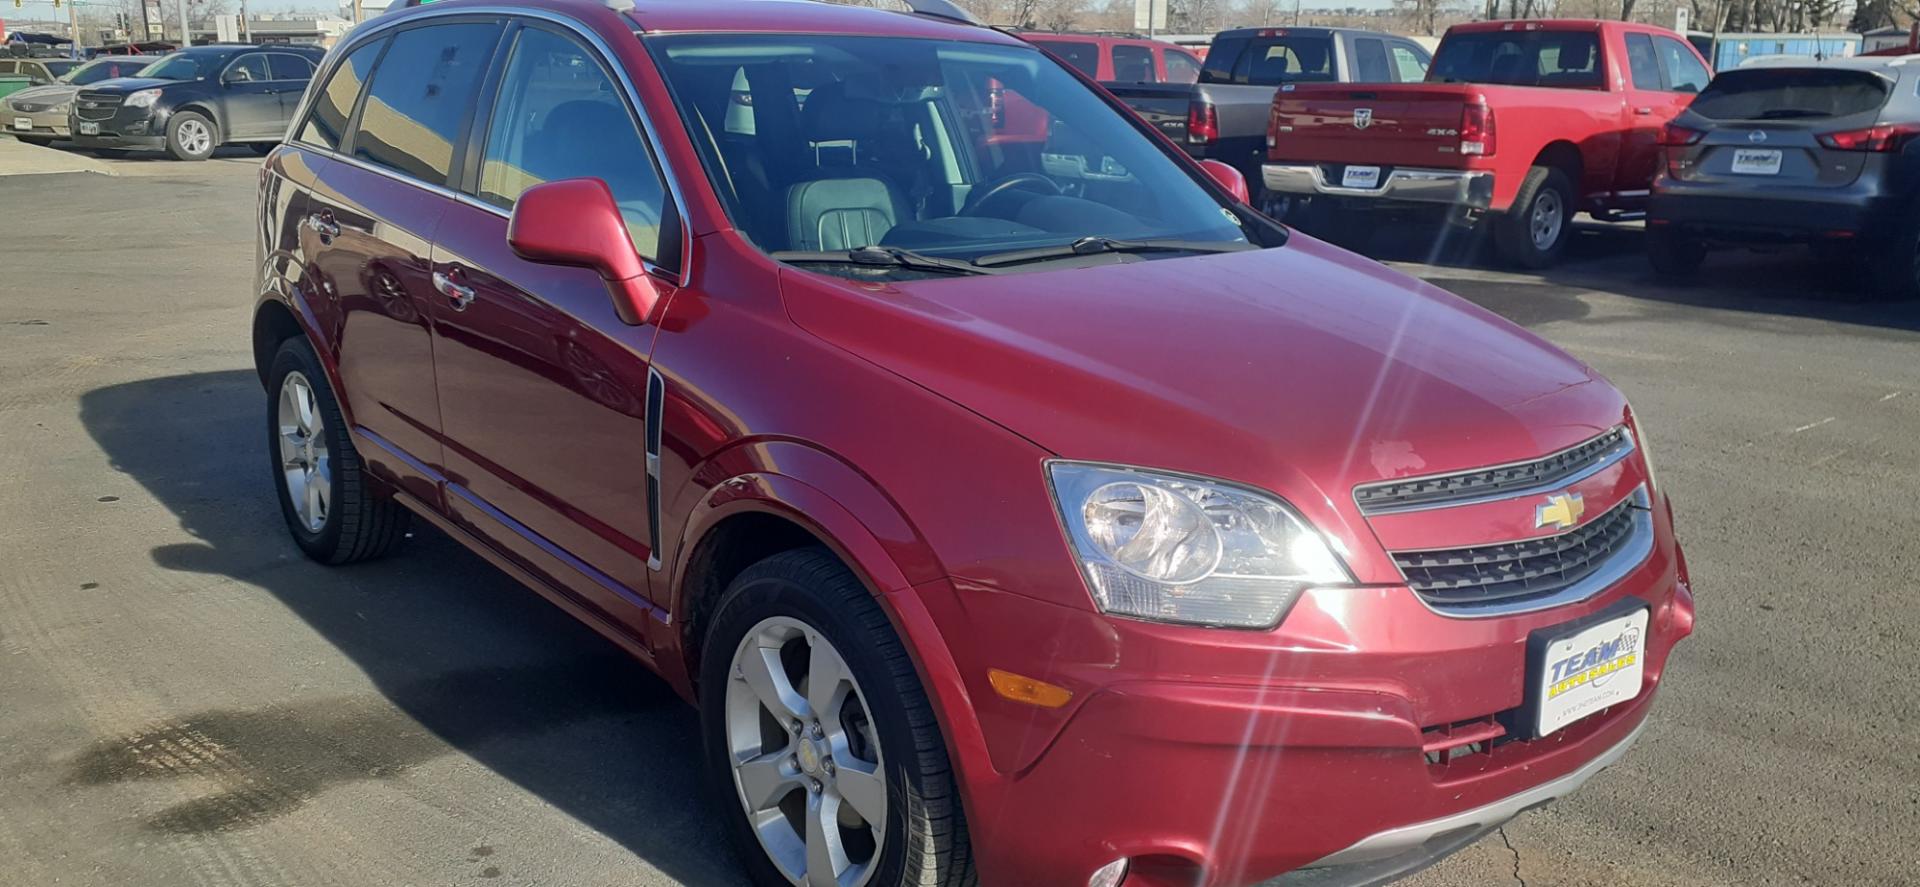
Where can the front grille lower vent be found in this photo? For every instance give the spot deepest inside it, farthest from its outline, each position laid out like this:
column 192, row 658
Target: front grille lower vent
column 1517, row 479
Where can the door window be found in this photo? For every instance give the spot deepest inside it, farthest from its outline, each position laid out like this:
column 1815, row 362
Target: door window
column 1370, row 60
column 289, row 67
column 560, row 116
column 1181, row 67
column 1409, row 66
column 1642, row 64
column 6, row 67
column 327, row 123
column 246, row 69
column 1302, row 59
column 421, row 95
column 1684, row 71
column 1133, row 64
column 1084, row 57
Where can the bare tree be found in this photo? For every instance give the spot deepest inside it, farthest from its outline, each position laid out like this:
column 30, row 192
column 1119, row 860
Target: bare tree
column 1260, row 12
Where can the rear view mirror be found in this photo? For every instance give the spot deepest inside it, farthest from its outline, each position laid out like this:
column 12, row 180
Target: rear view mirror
column 1226, row 177
column 575, row 222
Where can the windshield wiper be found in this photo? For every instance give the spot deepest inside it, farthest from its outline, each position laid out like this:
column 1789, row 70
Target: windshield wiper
column 880, row 257
column 1087, row 246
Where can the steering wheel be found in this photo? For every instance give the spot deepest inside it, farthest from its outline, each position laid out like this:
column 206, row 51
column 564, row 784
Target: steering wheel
column 1002, row 185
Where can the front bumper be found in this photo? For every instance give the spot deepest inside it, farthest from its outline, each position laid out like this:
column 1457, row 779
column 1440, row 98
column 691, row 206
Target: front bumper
column 1228, row 758
column 46, row 124
column 1472, row 189
column 140, row 128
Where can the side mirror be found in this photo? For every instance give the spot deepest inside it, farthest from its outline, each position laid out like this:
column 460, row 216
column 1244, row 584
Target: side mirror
column 575, row 222
column 1226, row 177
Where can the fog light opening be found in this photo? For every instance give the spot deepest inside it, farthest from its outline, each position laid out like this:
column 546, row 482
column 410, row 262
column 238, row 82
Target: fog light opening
column 1109, row 875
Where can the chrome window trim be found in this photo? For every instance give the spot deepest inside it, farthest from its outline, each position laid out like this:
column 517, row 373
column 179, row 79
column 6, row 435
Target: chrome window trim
column 1630, row 557
column 1625, row 449
column 374, row 28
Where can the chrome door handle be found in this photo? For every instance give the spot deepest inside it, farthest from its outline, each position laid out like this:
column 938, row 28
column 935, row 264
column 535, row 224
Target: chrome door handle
column 324, row 225
column 1643, row 111
column 458, row 295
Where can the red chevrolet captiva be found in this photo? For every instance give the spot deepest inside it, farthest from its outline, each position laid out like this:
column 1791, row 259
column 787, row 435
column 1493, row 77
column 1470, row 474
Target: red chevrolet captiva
column 1017, row 506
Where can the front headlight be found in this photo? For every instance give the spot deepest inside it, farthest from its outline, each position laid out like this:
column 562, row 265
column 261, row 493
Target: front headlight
column 1182, row 549
column 1646, row 452
column 143, row 99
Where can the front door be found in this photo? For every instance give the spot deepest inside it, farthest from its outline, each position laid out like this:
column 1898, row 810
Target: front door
column 543, row 390
column 289, row 74
column 250, row 99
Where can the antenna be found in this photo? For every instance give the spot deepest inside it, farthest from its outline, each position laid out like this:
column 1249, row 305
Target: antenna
column 945, row 9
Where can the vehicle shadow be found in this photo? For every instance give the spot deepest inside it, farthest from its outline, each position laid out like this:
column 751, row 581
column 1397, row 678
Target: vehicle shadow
column 466, row 661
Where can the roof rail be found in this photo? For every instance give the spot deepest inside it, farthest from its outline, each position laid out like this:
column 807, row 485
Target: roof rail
column 943, row 9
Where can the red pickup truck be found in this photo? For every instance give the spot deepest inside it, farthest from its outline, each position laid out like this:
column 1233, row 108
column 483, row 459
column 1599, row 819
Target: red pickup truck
column 1525, row 122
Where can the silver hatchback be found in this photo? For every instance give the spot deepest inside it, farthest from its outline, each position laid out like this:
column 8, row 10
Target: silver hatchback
column 1823, row 153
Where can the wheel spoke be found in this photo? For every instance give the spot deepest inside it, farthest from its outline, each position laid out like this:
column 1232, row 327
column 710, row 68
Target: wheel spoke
column 303, row 407
column 825, row 856
column 762, row 671
column 860, row 784
column 825, row 674
column 765, row 779
column 316, row 506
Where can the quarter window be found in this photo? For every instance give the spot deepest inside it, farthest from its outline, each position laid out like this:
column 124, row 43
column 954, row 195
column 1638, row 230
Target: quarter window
column 1684, row 71
column 1370, row 57
column 289, row 67
column 560, row 116
column 1084, row 57
column 1133, row 64
column 328, row 122
column 1641, row 62
column 1182, row 68
column 421, row 95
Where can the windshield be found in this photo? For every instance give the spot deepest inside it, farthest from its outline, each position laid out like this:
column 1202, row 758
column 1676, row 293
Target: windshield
column 1562, row 59
column 104, row 69
column 1780, row 93
column 960, row 150
column 179, row 66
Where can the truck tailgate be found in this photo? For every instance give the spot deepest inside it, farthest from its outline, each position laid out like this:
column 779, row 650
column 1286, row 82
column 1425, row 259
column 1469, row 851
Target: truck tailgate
column 1414, row 124
column 1162, row 105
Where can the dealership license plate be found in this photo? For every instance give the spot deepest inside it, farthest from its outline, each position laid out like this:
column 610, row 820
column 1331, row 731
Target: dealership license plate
column 1360, row 177
column 1582, row 671
column 24, row 124
column 1756, row 162
column 89, row 129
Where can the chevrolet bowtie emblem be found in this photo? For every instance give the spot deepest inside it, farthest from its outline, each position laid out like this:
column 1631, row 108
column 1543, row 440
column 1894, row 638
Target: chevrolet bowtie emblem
column 1561, row 510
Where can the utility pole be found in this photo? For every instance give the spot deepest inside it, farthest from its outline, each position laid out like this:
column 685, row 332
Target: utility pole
column 73, row 29
column 186, row 30
column 246, row 31
column 359, row 15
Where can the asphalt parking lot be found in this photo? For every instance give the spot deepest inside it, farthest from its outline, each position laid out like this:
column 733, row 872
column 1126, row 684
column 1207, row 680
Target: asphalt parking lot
column 184, row 700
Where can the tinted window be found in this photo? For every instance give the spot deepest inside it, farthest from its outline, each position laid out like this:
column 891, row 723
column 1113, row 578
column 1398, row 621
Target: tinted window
column 1409, row 64
column 1788, row 93
column 1182, row 68
column 421, row 94
column 1684, row 71
column 282, row 66
column 1370, row 60
column 7, row 67
column 331, row 107
column 1567, row 59
column 59, row 69
column 246, row 69
column 183, row 66
column 1299, row 59
column 1641, row 62
column 1083, row 56
column 1133, row 64
column 105, row 69
column 559, row 116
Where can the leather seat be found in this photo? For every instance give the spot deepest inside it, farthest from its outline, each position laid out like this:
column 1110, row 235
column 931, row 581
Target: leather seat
column 843, row 205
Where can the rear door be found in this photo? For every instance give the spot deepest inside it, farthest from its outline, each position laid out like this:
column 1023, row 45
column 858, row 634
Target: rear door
column 543, row 389
column 290, row 74
column 1652, row 103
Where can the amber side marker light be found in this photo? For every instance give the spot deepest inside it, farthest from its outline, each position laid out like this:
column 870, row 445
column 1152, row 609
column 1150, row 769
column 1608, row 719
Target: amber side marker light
column 1020, row 688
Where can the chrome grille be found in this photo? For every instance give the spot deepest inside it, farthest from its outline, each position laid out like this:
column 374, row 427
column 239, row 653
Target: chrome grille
column 96, row 105
column 31, row 107
column 1499, row 482
column 1536, row 572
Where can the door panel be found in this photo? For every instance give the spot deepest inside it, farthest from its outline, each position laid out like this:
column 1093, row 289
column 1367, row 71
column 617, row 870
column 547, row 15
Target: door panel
column 249, row 99
column 367, row 261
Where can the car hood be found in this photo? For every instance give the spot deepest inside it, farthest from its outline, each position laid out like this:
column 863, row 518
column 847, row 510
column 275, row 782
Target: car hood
column 52, row 93
column 128, row 84
column 1303, row 369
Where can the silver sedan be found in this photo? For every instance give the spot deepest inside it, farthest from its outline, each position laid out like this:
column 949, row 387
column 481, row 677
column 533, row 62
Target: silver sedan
column 38, row 114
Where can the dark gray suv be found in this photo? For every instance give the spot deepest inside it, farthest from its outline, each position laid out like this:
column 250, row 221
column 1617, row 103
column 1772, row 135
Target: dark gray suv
column 1822, row 153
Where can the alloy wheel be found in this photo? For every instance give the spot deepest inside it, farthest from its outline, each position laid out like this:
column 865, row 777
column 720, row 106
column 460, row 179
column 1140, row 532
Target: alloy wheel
column 194, row 137
column 806, row 758
column 304, row 461
column 1548, row 215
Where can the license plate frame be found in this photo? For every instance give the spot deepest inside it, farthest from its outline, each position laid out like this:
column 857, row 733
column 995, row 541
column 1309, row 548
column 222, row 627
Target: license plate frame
column 89, row 129
column 1362, row 177
column 1564, row 686
column 23, row 124
column 1756, row 161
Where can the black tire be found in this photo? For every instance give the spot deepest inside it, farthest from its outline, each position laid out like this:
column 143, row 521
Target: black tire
column 1329, row 220
column 186, row 120
column 36, row 141
column 1513, row 234
column 1674, row 254
column 926, row 843
column 1893, row 262
column 263, row 148
column 360, row 523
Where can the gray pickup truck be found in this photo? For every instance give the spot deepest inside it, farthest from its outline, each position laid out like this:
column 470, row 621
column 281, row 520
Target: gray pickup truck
column 1224, row 116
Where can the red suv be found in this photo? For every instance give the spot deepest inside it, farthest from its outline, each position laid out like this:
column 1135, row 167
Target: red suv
column 1182, row 552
